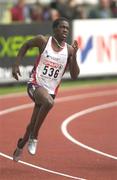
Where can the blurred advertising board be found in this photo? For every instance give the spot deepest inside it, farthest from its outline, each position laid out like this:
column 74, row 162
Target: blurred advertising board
column 12, row 36
column 97, row 54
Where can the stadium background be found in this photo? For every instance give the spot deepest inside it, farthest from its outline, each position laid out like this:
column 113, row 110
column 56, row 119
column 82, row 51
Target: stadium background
column 97, row 38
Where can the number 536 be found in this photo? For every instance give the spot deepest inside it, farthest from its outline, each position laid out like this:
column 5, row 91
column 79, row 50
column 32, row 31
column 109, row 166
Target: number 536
column 50, row 71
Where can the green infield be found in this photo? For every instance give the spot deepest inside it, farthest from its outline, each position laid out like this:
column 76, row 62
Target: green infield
column 65, row 84
column 88, row 82
column 12, row 89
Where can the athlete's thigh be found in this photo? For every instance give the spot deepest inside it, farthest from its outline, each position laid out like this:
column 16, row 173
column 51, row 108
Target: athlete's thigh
column 41, row 95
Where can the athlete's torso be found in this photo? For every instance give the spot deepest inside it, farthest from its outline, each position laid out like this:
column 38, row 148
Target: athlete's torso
column 50, row 67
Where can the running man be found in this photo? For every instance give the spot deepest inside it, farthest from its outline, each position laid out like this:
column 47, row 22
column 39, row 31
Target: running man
column 55, row 55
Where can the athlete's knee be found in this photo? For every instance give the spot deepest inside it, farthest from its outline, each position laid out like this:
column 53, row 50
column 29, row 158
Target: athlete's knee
column 49, row 102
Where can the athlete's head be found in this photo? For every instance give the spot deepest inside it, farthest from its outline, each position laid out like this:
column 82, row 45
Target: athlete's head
column 61, row 28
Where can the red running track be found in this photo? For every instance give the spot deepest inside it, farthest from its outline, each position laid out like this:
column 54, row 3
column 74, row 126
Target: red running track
column 76, row 141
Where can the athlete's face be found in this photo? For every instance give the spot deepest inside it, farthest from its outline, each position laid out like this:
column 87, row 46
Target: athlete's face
column 62, row 30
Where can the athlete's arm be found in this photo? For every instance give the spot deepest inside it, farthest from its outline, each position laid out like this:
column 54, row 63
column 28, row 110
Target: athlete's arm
column 73, row 65
column 39, row 41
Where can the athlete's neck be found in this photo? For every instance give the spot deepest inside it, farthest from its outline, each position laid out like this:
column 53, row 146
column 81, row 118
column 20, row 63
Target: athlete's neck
column 58, row 44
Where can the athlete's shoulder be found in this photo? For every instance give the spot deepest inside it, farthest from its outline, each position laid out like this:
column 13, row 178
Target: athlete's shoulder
column 40, row 37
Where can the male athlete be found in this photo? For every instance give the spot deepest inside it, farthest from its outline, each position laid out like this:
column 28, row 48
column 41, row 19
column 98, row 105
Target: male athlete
column 55, row 55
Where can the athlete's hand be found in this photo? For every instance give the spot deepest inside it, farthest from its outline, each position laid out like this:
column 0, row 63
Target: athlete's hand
column 75, row 46
column 16, row 71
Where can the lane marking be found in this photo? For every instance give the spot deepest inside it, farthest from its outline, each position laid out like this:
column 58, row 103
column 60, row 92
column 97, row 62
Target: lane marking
column 93, row 86
column 41, row 168
column 13, row 95
column 16, row 108
column 82, row 113
column 26, row 106
column 58, row 100
column 61, row 99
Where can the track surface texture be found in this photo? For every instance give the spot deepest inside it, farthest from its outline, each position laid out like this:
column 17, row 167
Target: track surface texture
column 78, row 139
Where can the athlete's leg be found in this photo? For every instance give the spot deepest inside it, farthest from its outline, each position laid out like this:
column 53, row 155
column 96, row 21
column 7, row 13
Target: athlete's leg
column 29, row 127
column 41, row 97
column 43, row 103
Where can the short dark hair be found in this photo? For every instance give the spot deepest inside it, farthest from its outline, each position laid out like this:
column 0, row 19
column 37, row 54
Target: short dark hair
column 57, row 22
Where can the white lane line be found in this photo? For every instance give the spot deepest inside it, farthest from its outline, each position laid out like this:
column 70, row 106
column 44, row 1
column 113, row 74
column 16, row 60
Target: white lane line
column 62, row 99
column 93, row 86
column 43, row 169
column 26, row 106
column 58, row 100
column 13, row 95
column 16, row 108
column 79, row 114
